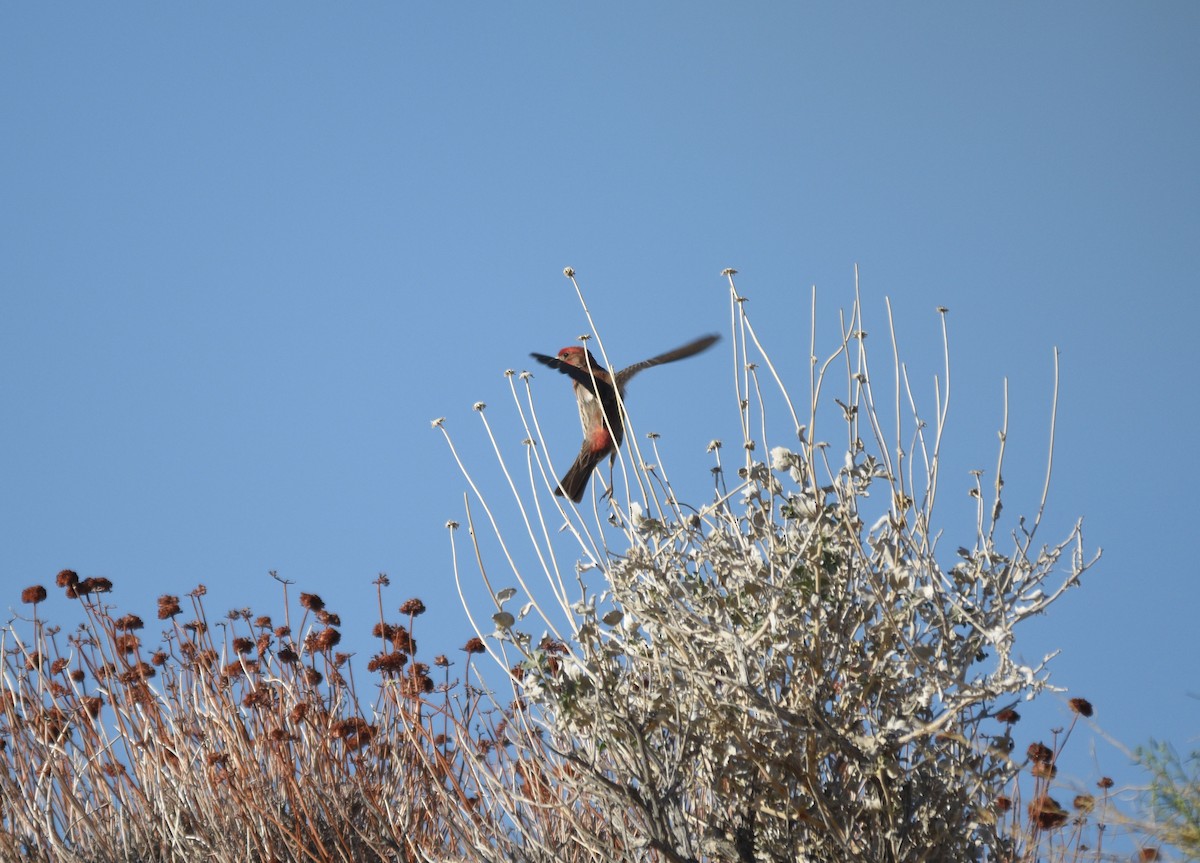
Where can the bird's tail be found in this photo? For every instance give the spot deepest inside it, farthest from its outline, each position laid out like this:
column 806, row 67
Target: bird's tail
column 575, row 480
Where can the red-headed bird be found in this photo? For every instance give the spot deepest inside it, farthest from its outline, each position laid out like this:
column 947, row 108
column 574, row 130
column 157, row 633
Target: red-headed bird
column 597, row 391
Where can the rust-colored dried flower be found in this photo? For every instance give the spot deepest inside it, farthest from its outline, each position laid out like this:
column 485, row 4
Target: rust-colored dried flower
column 412, row 607
column 237, row 668
column 78, row 675
column 127, row 643
column 312, row 601
column 1105, row 783
column 168, row 606
column 217, row 759
column 34, row 660
column 197, row 626
column 260, row 696
column 299, row 712
column 159, row 658
column 33, row 595
column 262, row 622
column 141, row 671
column 389, row 663
column 288, row 656
column 441, row 661
column 283, row 631
column 326, row 639
column 263, row 644
column 416, row 684
column 313, row 677
column 66, row 577
column 1039, row 752
column 551, row 645
column 1009, row 716
column 402, row 640
column 354, row 732
column 1046, row 813
column 59, row 665
column 1044, row 770
column 242, row 645
column 383, row 630
column 96, row 584
column 1003, row 804
column 128, row 623
column 92, row 704
column 1084, row 803
column 328, row 618
column 475, row 645
column 1081, row 706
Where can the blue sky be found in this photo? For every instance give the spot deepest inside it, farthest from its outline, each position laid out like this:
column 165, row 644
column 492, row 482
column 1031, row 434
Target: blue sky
column 248, row 252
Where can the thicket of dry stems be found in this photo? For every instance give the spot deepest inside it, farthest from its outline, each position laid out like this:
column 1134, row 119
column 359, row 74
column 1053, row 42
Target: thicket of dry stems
column 788, row 672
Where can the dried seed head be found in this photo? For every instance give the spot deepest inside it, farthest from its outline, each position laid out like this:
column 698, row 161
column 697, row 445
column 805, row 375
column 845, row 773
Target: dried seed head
column 168, row 606
column 413, row 607
column 1081, row 706
column 33, row 595
column 1040, row 753
column 1046, row 813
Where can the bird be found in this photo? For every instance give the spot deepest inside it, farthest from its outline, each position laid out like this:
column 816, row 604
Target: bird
column 600, row 395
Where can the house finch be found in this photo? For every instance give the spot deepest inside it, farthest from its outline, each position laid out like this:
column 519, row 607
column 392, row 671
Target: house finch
column 600, row 412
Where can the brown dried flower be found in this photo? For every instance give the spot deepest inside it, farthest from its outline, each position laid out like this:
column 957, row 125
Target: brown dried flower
column 168, row 606
column 128, row 623
column 1046, row 813
column 1039, row 752
column 412, row 607
column 33, row 595
column 1081, row 706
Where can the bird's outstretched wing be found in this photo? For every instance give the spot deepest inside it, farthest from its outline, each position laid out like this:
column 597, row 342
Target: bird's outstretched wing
column 682, row 352
column 580, row 376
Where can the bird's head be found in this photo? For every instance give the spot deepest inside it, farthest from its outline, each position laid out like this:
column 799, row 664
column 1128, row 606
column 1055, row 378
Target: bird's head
column 579, row 357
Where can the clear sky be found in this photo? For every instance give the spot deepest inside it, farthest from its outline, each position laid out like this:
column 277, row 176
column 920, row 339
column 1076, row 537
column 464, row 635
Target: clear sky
column 249, row 251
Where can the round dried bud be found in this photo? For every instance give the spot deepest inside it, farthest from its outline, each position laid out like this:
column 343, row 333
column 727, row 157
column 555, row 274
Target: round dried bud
column 1081, row 706
column 413, row 607
column 33, row 595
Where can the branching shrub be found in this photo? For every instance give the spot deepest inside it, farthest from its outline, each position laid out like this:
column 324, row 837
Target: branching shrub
column 795, row 670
